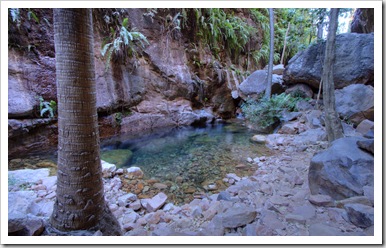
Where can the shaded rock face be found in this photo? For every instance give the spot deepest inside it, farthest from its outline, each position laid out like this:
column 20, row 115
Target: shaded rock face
column 363, row 21
column 31, row 135
column 341, row 171
column 354, row 62
column 355, row 102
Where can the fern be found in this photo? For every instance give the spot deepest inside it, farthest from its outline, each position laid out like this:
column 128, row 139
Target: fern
column 49, row 107
column 15, row 15
column 266, row 112
column 32, row 14
column 127, row 40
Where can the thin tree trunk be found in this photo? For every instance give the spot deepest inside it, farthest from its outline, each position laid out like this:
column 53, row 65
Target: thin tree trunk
column 333, row 123
column 319, row 36
column 80, row 203
column 271, row 52
column 285, row 43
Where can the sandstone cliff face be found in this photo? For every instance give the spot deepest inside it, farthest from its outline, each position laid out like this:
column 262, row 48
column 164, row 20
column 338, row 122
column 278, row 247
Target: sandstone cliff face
column 163, row 75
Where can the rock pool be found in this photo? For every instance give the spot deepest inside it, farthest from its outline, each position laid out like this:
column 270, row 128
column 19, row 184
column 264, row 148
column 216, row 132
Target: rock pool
column 189, row 161
column 184, row 162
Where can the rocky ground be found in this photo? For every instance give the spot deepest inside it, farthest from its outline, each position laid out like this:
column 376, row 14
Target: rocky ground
column 275, row 200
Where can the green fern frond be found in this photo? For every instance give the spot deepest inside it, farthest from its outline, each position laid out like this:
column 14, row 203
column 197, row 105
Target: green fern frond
column 105, row 48
column 125, row 22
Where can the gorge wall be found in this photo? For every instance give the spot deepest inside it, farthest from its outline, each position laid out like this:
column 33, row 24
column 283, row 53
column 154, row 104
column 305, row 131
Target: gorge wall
column 175, row 80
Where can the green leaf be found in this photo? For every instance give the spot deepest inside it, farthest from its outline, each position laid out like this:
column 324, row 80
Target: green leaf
column 31, row 13
column 105, row 48
column 125, row 22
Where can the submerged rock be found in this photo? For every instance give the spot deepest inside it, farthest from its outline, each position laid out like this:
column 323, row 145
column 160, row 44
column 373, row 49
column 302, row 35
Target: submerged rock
column 119, row 157
column 134, row 172
column 259, row 139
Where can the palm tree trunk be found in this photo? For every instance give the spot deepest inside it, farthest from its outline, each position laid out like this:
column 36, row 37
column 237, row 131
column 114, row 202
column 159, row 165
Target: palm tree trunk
column 80, row 203
column 333, row 124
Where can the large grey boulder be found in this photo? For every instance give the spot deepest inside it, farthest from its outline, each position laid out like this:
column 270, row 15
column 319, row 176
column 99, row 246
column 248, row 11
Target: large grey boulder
column 342, row 170
column 354, row 62
column 256, row 84
column 355, row 102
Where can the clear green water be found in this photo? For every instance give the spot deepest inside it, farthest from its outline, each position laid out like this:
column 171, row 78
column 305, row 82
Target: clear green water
column 199, row 156
column 190, row 161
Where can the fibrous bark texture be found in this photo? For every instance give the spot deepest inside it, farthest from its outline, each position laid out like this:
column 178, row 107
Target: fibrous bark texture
column 80, row 203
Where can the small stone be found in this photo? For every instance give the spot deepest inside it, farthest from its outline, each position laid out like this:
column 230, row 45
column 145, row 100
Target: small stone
column 249, row 160
column 196, row 211
column 321, row 200
column 279, row 200
column 39, row 187
column 146, row 189
column 319, row 229
column 365, row 126
column 240, row 216
column 168, row 207
column 224, row 195
column 154, row 203
column 142, row 221
column 286, row 158
column 136, row 205
column 119, row 171
column 51, row 195
column 107, row 169
column 355, row 199
column 256, row 160
column 134, row 173
column 160, row 186
column 128, row 226
column 241, row 167
column 368, row 191
column 113, row 207
column 233, row 176
column 189, row 190
column 212, row 187
column 212, row 210
column 259, row 139
column 295, row 218
column 179, row 179
column 298, row 180
column 124, row 200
